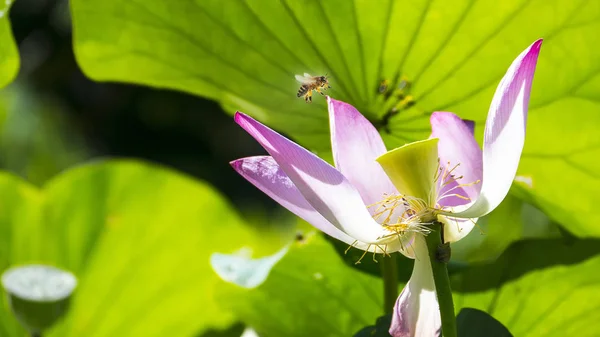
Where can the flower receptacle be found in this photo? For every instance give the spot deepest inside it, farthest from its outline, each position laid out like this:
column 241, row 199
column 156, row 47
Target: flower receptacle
column 412, row 169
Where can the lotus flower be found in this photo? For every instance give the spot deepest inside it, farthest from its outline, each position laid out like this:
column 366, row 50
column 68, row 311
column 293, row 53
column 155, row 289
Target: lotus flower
column 468, row 183
column 383, row 202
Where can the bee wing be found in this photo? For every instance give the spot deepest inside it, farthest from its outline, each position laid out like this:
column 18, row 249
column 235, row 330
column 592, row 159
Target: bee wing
column 307, row 75
column 303, row 79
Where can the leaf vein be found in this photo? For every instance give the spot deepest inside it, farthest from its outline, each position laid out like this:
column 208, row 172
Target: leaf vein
column 475, row 50
column 443, row 45
column 339, row 48
column 195, row 42
column 413, row 38
column 314, row 46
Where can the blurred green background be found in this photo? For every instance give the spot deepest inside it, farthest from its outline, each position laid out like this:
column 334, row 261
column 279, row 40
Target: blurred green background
column 53, row 116
column 116, row 131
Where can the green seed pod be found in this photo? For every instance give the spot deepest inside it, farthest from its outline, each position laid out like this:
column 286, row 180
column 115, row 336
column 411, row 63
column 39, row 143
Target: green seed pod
column 38, row 295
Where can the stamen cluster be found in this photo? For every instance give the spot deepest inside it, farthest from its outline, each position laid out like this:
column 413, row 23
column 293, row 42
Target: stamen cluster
column 443, row 177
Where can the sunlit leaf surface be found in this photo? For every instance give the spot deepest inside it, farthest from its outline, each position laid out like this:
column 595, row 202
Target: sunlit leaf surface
column 538, row 288
column 446, row 55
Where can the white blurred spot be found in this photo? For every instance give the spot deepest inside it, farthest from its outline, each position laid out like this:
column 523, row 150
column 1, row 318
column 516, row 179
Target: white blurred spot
column 6, row 7
column 318, row 276
column 528, row 181
column 241, row 269
column 249, row 332
column 39, row 282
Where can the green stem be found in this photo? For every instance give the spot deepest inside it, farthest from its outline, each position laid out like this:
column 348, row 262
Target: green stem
column 437, row 250
column 389, row 270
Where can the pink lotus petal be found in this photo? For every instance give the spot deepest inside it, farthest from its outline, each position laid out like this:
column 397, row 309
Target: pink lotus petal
column 323, row 187
column 417, row 312
column 457, row 146
column 505, row 132
column 264, row 173
column 470, row 125
column 356, row 144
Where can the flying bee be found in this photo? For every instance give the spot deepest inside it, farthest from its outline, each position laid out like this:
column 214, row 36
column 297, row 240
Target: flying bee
column 310, row 83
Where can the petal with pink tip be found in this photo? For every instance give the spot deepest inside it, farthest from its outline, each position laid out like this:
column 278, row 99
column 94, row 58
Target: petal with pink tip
column 356, row 144
column 417, row 312
column 457, row 146
column 323, row 187
column 264, row 173
column 505, row 133
column 470, row 125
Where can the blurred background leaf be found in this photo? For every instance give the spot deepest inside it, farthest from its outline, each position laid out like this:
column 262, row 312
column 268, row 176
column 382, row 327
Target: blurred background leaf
column 311, row 292
column 36, row 139
column 137, row 236
column 380, row 329
column 9, row 56
column 538, row 288
column 476, row 323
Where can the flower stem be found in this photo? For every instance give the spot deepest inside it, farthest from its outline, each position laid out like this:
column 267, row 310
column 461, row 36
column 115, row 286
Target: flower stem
column 439, row 255
column 389, row 270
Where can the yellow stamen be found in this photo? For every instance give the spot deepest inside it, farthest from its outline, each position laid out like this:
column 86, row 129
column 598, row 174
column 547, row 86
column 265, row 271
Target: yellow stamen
column 352, row 245
column 401, row 215
column 438, row 169
column 361, row 257
column 450, row 171
column 460, row 196
column 481, row 231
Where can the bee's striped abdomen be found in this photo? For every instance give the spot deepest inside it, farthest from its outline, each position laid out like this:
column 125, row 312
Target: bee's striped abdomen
column 303, row 89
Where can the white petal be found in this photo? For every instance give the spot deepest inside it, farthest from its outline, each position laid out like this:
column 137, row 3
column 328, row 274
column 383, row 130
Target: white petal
column 505, row 133
column 241, row 269
column 456, row 228
column 417, row 312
